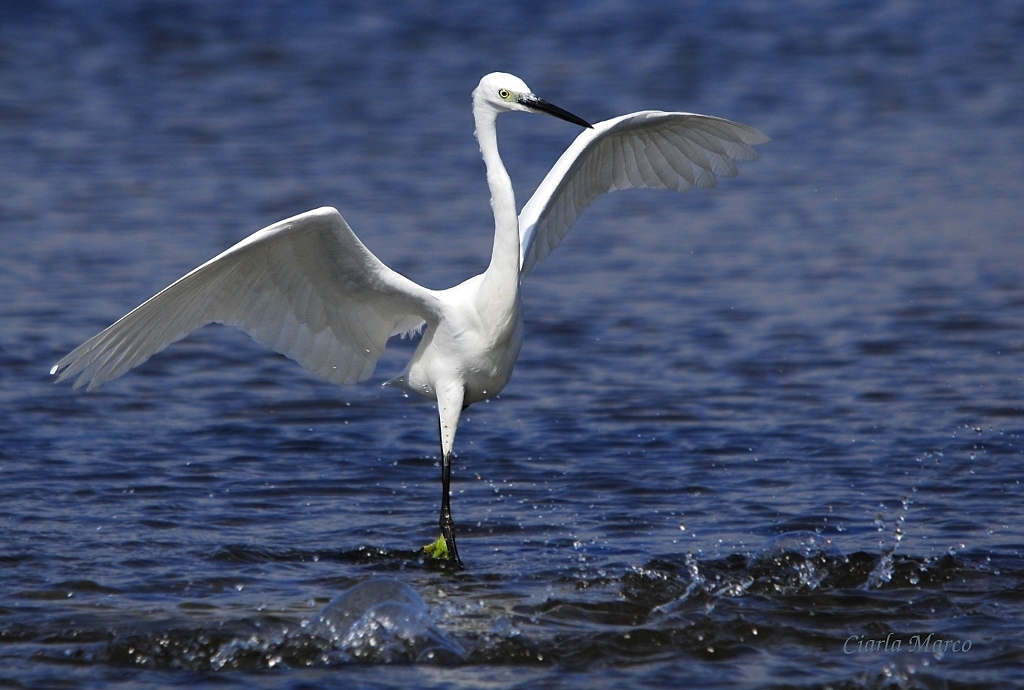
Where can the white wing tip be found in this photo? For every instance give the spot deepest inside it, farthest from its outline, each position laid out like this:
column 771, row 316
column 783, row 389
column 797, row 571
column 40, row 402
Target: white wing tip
column 322, row 212
column 757, row 136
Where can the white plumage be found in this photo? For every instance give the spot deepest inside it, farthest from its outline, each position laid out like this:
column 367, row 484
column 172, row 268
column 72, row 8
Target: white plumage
column 308, row 288
column 650, row 149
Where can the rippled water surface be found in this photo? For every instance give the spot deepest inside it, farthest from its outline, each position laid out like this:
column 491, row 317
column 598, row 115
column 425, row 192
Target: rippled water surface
column 765, row 435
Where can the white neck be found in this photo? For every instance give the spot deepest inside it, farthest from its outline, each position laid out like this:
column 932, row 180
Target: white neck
column 501, row 280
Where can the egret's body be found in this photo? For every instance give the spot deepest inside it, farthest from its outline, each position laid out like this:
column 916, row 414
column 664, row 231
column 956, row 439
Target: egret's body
column 307, row 287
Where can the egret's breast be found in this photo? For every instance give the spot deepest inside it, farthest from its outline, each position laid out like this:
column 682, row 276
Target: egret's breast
column 478, row 353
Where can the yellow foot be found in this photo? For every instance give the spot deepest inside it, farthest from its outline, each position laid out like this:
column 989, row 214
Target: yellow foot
column 439, row 549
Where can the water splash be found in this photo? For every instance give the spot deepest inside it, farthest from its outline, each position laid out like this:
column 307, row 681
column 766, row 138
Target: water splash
column 695, row 585
column 883, row 572
column 383, row 621
column 379, row 621
column 795, row 561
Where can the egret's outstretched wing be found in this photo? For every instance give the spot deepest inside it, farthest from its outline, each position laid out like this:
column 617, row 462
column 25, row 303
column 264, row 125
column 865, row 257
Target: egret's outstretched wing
column 305, row 287
column 646, row 149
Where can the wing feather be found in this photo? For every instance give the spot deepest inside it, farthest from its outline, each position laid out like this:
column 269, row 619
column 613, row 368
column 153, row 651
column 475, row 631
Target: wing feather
column 646, row 149
column 305, row 287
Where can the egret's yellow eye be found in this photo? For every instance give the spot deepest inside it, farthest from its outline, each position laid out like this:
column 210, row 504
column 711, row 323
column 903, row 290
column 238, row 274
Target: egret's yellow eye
column 504, row 94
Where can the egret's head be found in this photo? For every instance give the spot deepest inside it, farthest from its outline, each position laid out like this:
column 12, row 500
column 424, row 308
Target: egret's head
column 503, row 92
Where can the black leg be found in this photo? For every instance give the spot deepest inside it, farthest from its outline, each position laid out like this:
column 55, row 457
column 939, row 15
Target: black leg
column 447, row 524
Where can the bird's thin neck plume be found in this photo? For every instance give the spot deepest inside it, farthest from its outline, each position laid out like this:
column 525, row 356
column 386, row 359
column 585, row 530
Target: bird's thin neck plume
column 504, row 267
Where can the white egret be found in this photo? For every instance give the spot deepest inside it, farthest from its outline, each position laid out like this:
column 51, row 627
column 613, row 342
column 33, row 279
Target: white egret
column 307, row 288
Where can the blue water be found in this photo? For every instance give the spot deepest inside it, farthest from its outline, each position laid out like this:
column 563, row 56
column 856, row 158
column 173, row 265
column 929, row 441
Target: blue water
column 757, row 434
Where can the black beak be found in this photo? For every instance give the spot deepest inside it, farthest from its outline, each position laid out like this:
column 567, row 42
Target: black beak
column 542, row 106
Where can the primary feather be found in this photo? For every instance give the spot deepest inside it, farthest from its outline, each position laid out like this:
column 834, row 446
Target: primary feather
column 650, row 148
column 305, row 287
